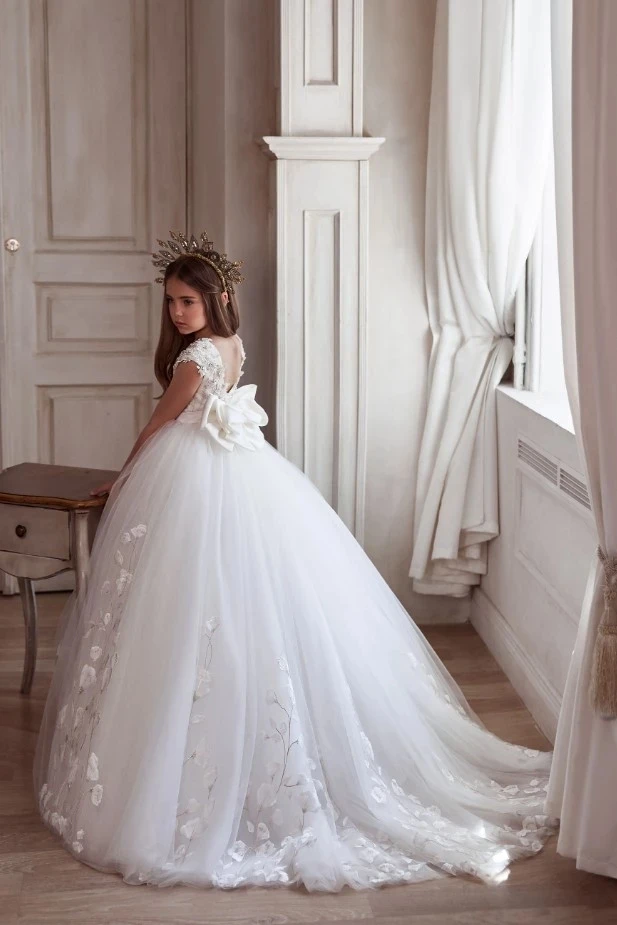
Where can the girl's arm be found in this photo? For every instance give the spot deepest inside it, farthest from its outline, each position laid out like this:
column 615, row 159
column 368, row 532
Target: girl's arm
column 185, row 382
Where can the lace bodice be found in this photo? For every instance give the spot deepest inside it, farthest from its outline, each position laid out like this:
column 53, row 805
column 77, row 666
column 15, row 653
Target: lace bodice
column 209, row 361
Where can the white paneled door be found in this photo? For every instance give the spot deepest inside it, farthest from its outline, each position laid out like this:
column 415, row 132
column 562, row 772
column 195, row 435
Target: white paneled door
column 92, row 171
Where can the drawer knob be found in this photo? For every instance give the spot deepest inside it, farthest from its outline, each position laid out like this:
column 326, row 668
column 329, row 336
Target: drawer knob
column 21, row 530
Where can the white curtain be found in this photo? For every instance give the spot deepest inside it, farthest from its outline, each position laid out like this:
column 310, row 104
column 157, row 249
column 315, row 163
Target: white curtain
column 488, row 156
column 582, row 785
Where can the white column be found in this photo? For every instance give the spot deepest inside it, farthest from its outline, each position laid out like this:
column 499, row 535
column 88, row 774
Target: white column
column 322, row 249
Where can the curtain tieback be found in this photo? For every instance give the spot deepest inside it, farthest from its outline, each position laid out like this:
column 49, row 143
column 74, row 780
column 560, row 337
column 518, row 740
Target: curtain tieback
column 603, row 688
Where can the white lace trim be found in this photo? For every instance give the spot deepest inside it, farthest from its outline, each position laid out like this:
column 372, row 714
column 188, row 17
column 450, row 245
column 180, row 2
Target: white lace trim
column 209, row 362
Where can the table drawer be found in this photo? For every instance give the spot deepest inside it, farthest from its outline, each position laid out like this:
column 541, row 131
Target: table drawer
column 34, row 531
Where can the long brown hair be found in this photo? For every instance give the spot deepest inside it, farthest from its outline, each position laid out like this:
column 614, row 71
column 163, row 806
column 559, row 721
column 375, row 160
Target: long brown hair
column 222, row 319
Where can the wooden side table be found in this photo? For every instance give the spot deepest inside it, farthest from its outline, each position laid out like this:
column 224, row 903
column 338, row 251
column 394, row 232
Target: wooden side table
column 48, row 520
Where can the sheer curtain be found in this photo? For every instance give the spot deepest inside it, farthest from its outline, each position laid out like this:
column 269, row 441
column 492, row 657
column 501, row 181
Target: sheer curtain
column 582, row 784
column 488, row 157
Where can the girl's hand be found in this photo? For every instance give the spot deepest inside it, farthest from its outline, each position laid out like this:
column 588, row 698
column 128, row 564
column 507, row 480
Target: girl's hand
column 103, row 489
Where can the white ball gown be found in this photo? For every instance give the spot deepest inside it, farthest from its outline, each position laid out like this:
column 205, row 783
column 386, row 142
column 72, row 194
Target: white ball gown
column 241, row 699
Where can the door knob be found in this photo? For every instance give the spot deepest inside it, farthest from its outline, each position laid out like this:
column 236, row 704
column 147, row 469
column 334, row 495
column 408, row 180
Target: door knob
column 12, row 245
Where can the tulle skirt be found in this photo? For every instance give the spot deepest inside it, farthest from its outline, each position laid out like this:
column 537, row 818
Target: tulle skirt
column 239, row 698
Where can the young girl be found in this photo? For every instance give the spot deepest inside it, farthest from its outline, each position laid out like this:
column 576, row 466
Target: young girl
column 239, row 697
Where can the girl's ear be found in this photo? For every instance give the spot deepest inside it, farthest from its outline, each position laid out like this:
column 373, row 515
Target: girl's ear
column 225, row 296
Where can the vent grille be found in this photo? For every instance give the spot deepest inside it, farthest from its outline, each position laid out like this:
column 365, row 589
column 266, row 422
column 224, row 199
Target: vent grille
column 539, row 461
column 575, row 488
column 554, row 472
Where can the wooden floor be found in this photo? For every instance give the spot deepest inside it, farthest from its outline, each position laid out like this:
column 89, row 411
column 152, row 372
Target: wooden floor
column 40, row 882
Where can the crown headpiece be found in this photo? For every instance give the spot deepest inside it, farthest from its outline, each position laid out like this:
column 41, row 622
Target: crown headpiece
column 179, row 244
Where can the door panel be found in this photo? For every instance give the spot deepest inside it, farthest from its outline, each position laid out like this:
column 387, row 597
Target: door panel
column 92, row 172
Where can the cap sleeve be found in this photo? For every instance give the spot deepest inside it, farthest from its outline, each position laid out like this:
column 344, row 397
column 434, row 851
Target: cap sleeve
column 208, row 361
column 203, row 355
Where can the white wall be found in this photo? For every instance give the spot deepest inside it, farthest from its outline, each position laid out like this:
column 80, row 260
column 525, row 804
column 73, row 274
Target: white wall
column 528, row 605
column 233, row 104
column 398, row 44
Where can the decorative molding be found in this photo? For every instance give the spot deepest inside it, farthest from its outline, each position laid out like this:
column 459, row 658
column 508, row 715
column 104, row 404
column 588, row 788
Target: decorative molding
column 363, row 258
column 539, row 511
column 71, row 318
column 322, row 305
column 324, row 93
column 526, row 676
column 321, row 147
column 282, row 299
column 322, row 401
column 357, row 89
column 285, row 54
column 322, row 197
column 313, row 39
column 97, row 269
column 75, row 215
column 551, row 497
column 530, row 600
column 137, row 396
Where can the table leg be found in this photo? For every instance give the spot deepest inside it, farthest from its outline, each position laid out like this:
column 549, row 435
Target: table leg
column 81, row 551
column 28, row 603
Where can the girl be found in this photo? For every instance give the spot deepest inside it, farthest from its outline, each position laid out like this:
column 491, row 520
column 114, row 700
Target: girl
column 240, row 698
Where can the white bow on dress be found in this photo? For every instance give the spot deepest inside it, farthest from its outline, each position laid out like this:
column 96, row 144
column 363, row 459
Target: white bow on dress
column 235, row 418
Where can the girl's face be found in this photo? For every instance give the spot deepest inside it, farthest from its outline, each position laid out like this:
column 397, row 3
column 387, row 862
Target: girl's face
column 185, row 306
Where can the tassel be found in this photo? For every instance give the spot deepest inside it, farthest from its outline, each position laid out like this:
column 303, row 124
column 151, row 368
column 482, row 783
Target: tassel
column 603, row 689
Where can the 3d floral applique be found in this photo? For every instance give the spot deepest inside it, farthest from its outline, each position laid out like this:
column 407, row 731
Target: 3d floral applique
column 79, row 717
column 203, row 672
column 209, row 362
column 193, row 819
column 278, row 813
column 92, row 771
column 86, row 678
column 192, row 816
column 287, row 806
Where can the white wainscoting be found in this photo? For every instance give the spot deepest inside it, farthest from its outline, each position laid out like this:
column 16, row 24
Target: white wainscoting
column 527, row 607
column 322, row 225
column 321, row 67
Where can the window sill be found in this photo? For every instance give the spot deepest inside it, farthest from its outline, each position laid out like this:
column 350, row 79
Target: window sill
column 553, row 406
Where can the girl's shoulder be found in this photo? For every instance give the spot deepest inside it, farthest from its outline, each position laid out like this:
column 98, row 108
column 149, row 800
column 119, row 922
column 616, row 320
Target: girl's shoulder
column 203, row 353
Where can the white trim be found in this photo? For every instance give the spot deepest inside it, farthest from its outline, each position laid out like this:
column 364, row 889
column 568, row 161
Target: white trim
column 363, row 284
column 519, row 356
column 528, row 679
column 546, row 582
column 321, row 147
column 357, row 69
column 554, row 406
column 281, row 303
column 285, row 67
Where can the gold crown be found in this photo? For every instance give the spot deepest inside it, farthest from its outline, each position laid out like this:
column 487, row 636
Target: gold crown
column 228, row 270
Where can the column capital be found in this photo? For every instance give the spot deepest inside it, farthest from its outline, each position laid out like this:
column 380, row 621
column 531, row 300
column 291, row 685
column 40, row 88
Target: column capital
column 321, row 147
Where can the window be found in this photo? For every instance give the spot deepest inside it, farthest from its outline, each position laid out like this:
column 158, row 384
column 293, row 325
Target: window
column 539, row 374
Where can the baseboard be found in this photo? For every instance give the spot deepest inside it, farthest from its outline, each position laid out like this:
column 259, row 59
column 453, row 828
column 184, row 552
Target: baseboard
column 527, row 678
column 433, row 610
